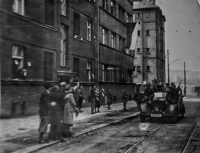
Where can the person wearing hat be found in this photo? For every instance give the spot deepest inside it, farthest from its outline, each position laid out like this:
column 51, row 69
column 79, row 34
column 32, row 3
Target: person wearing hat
column 44, row 108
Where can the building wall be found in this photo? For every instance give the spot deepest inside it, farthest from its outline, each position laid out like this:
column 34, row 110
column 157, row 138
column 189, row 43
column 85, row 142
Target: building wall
column 32, row 32
column 151, row 19
column 39, row 32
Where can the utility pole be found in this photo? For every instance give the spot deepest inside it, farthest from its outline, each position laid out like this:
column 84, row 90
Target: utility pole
column 184, row 79
column 168, row 65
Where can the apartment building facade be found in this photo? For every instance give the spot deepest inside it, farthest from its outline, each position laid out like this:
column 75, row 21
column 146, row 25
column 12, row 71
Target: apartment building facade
column 149, row 61
column 56, row 40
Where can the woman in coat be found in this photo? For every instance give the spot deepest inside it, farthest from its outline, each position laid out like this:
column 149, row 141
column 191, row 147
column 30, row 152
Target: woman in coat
column 69, row 108
column 124, row 99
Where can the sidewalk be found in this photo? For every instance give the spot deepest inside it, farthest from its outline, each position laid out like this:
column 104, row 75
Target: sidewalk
column 20, row 134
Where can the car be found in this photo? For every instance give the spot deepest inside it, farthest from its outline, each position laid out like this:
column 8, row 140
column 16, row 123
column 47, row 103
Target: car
column 161, row 106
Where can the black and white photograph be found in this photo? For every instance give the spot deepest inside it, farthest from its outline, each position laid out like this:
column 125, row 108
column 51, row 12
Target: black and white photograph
column 100, row 76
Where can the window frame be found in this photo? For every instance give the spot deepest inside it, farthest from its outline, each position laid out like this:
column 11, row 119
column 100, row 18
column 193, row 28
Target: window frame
column 18, row 57
column 138, row 50
column 89, row 30
column 89, row 70
column 113, row 40
column 138, row 33
column 147, row 32
column 63, row 45
column 63, row 7
column 137, row 15
column 148, row 68
column 16, row 8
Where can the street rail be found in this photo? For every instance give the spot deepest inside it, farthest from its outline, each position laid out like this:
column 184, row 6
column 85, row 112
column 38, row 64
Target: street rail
column 153, row 132
column 188, row 141
column 130, row 149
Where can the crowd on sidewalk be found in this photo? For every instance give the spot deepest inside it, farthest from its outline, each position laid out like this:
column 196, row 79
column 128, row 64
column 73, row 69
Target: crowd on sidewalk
column 58, row 103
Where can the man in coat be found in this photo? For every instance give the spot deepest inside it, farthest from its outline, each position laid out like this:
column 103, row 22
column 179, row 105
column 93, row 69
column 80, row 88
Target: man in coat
column 44, row 106
column 92, row 100
column 57, row 112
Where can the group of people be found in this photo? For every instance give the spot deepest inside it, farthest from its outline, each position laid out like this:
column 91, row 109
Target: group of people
column 147, row 94
column 96, row 95
column 58, row 103
column 56, row 107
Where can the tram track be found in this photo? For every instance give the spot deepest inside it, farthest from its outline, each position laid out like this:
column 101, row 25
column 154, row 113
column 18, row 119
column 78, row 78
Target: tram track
column 189, row 139
column 79, row 134
column 185, row 146
column 146, row 137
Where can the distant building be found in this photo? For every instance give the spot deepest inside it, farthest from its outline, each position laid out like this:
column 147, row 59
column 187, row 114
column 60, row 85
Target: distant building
column 149, row 47
column 192, row 77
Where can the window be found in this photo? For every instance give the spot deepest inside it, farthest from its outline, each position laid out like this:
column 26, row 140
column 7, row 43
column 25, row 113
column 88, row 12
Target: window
column 129, row 79
column 18, row 6
column 134, row 68
column 63, row 46
column 49, row 12
column 17, row 62
column 76, row 66
column 48, row 66
column 63, row 7
column 148, row 50
column 76, row 24
column 137, row 15
column 138, row 50
column 113, row 7
column 121, row 43
column 121, row 14
column 105, row 4
column 138, row 32
column 148, row 68
column 147, row 15
column 104, row 36
column 113, row 40
column 90, row 76
column 134, row 16
column 147, row 32
column 110, row 74
column 127, row 18
column 89, row 30
column 138, row 69
column 103, row 73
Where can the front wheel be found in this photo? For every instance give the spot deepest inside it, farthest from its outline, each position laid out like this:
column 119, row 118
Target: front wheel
column 173, row 119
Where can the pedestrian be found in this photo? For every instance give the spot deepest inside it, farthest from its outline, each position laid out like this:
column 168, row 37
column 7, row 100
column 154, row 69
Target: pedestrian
column 69, row 109
column 57, row 112
column 109, row 98
column 44, row 111
column 124, row 99
column 80, row 99
column 92, row 98
column 97, row 100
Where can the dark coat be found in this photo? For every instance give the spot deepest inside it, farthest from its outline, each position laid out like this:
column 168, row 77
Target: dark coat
column 57, row 111
column 124, row 97
column 109, row 97
column 44, row 104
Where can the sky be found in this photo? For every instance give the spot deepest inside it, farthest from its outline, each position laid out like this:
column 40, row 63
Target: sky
column 182, row 32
